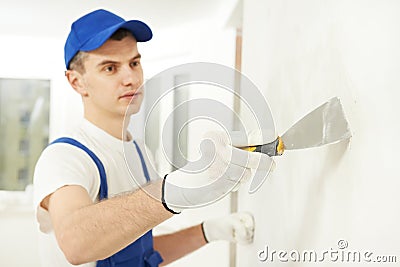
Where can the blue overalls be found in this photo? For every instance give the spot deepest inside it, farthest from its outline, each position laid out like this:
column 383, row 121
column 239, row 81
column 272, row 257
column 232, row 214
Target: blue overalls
column 141, row 252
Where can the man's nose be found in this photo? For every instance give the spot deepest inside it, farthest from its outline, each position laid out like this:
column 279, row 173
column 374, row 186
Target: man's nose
column 130, row 77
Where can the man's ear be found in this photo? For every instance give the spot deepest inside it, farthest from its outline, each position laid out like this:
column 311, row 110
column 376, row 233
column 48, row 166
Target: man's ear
column 77, row 82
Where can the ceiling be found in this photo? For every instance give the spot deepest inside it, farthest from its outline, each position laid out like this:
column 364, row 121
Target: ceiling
column 49, row 18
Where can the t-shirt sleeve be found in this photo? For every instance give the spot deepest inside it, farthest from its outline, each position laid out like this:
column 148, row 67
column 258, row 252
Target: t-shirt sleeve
column 60, row 165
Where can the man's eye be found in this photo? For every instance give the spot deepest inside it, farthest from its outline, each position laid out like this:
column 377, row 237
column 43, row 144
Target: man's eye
column 109, row 68
column 135, row 63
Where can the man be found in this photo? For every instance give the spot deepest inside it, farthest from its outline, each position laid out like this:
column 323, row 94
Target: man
column 89, row 211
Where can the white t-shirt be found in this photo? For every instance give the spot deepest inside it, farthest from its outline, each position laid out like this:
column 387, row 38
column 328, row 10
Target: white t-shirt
column 63, row 164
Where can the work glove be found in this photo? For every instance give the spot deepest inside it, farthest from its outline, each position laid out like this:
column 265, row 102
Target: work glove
column 236, row 228
column 221, row 168
column 252, row 137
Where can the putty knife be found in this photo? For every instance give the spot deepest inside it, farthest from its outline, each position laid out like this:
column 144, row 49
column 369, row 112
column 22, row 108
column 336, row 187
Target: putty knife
column 324, row 125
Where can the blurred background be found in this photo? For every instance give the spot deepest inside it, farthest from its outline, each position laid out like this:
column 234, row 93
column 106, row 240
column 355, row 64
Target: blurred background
column 298, row 53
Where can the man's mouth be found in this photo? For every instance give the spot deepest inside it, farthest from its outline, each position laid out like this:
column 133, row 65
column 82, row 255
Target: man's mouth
column 130, row 95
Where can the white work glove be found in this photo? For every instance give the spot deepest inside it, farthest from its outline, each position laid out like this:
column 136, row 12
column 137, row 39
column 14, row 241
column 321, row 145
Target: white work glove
column 255, row 137
column 221, row 168
column 252, row 138
column 236, row 228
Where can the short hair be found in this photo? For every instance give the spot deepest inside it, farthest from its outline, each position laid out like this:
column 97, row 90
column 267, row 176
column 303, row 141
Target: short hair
column 78, row 60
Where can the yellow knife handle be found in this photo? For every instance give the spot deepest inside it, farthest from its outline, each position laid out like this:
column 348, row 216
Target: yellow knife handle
column 250, row 148
column 275, row 148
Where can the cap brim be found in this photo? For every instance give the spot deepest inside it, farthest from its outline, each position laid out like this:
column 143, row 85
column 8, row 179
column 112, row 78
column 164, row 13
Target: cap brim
column 139, row 30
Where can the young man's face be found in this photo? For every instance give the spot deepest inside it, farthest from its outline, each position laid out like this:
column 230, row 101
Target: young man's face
column 113, row 77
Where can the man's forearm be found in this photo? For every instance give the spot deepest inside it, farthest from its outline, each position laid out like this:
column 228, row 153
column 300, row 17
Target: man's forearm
column 176, row 245
column 97, row 231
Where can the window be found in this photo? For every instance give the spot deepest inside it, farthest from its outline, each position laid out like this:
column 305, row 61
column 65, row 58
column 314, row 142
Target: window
column 24, row 124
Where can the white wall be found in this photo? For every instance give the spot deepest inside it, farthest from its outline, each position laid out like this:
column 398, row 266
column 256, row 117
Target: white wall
column 300, row 54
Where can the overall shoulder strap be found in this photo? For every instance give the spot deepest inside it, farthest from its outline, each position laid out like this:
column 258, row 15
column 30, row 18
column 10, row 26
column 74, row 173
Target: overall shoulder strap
column 144, row 167
column 100, row 167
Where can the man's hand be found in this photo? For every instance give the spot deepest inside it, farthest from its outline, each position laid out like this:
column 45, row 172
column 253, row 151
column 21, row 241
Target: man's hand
column 221, row 169
column 253, row 137
column 236, row 227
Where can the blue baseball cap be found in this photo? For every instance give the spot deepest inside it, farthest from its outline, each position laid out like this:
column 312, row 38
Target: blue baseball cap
column 94, row 29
